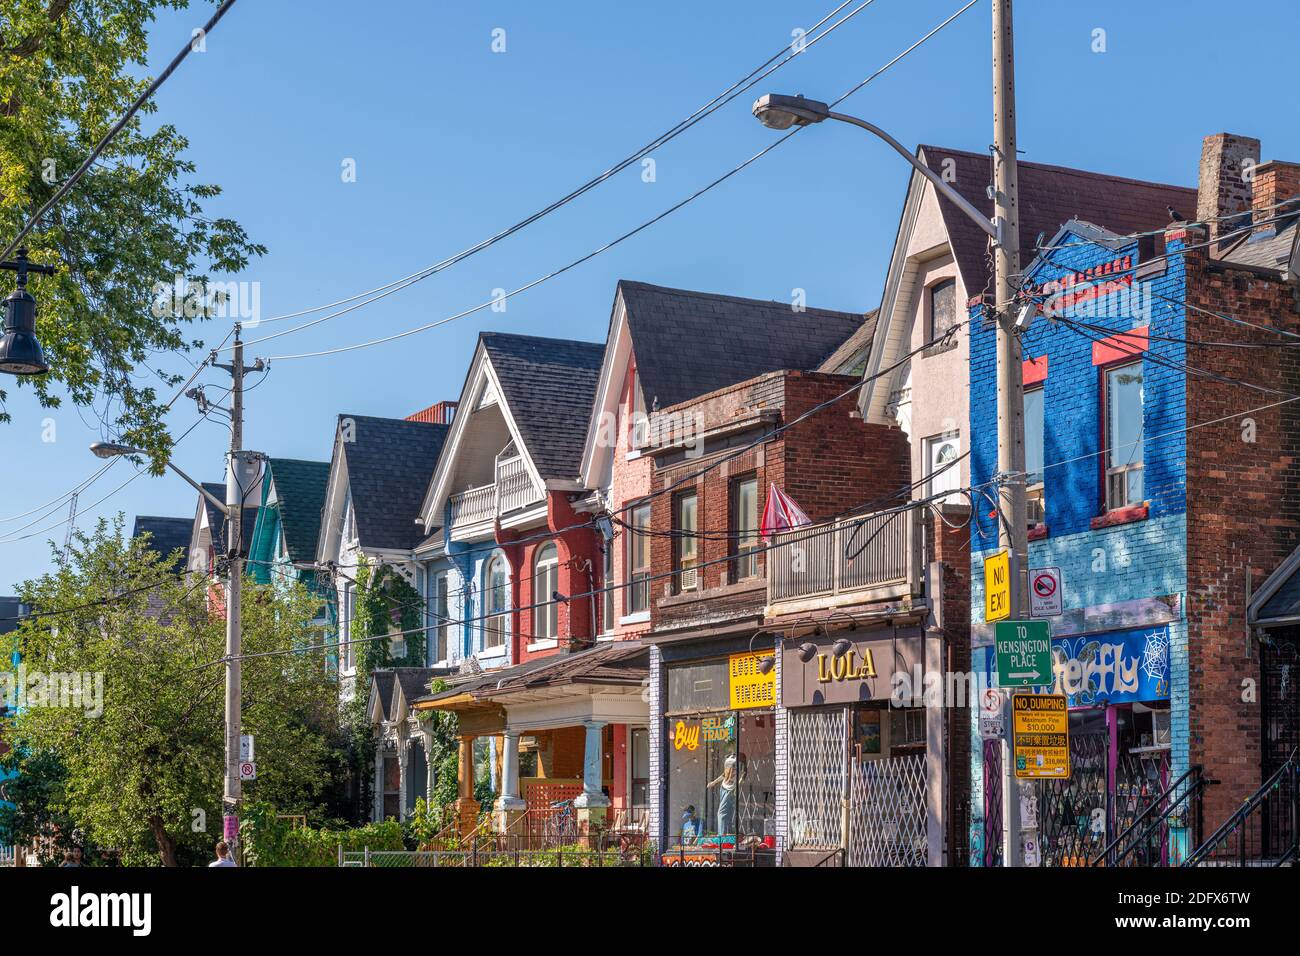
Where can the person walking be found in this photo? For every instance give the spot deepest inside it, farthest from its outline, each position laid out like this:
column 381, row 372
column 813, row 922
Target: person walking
column 223, row 855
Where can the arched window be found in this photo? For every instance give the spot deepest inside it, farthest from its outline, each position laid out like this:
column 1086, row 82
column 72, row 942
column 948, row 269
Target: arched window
column 546, row 581
column 496, row 601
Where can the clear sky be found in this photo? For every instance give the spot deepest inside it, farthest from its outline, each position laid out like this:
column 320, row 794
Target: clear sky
column 452, row 142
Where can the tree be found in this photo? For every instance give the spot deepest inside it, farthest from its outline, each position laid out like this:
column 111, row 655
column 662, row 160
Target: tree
column 126, row 232
column 142, row 747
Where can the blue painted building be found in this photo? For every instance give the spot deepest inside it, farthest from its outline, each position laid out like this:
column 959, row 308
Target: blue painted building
column 1106, row 464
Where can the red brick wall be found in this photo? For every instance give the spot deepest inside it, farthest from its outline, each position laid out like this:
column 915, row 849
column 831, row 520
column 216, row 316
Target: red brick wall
column 829, row 464
column 1243, row 513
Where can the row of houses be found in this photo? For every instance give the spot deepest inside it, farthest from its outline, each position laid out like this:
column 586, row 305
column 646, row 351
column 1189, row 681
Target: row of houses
column 689, row 583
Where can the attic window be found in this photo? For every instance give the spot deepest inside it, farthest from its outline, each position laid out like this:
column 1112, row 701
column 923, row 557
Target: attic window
column 941, row 308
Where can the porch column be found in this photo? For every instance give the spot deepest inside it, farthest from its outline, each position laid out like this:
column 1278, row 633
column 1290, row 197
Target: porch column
column 509, row 806
column 403, row 766
column 466, row 806
column 591, row 804
column 426, row 739
column 377, row 802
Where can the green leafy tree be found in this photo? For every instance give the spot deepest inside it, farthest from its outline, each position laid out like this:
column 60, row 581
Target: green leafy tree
column 143, row 764
column 126, row 231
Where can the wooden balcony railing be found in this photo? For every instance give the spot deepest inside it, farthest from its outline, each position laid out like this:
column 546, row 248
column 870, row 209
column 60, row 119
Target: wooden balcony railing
column 872, row 557
column 514, row 488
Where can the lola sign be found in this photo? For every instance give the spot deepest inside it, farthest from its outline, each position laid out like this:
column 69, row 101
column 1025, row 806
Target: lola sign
column 848, row 667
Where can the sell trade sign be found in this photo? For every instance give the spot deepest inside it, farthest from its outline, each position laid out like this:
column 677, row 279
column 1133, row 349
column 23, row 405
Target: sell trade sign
column 1024, row 651
column 1040, row 726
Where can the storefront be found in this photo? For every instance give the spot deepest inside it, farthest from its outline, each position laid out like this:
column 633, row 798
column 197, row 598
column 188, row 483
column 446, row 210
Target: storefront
column 1117, row 686
column 719, row 758
column 860, row 768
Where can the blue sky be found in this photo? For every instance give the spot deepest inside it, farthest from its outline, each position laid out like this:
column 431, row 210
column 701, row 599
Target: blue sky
column 452, row 142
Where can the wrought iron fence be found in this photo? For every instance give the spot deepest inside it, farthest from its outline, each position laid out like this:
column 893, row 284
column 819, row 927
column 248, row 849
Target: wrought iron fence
column 1264, row 832
column 491, row 856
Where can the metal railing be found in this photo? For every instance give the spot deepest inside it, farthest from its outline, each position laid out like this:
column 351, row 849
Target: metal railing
column 513, row 488
column 873, row 557
column 486, row 854
column 1263, row 831
column 1166, row 830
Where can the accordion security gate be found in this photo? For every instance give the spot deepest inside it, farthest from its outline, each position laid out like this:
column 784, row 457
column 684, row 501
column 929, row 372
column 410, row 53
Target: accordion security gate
column 887, row 812
column 887, row 797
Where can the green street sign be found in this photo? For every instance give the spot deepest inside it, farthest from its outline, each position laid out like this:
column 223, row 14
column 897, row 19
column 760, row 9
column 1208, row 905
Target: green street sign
column 1024, row 651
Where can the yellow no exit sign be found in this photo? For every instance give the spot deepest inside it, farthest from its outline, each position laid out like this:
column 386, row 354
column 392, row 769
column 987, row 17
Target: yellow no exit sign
column 997, row 587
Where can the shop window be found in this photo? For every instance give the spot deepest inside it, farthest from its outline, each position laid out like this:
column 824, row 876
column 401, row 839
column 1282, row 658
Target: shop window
column 1122, row 436
column 722, row 779
column 1035, row 502
column 685, row 543
column 638, row 561
column 744, row 527
column 546, row 582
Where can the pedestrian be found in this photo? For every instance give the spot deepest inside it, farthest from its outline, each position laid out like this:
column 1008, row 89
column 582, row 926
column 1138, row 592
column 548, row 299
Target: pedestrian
column 223, row 855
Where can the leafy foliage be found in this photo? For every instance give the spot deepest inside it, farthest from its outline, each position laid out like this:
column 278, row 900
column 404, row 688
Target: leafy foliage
column 273, row 841
column 144, row 776
column 129, row 228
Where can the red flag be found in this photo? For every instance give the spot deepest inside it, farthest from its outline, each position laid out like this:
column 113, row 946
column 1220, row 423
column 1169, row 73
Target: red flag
column 780, row 514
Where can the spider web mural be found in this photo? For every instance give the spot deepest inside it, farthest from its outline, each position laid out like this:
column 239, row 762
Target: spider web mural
column 1155, row 655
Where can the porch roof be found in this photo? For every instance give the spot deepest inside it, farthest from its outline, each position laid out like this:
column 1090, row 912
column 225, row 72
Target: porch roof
column 1278, row 599
column 616, row 664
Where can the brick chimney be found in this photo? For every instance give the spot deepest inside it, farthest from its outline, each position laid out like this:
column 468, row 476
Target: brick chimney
column 439, row 414
column 1224, row 185
column 1275, row 182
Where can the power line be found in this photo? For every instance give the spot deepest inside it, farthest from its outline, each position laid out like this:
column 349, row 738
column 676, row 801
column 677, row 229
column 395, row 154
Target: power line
column 116, row 128
column 614, row 242
column 722, row 99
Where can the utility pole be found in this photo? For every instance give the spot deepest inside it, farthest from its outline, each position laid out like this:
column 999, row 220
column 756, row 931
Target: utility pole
column 1012, row 530
column 239, row 478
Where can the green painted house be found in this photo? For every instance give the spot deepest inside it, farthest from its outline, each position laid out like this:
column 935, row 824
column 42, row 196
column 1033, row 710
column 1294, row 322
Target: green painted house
column 283, row 546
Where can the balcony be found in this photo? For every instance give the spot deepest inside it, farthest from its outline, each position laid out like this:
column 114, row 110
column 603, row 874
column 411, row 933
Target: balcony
column 513, row 489
column 857, row 560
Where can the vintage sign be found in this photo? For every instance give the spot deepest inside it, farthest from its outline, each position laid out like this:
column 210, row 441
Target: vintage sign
column 1045, row 593
column 748, row 685
column 1024, row 650
column 1118, row 667
column 1040, row 726
column 997, row 587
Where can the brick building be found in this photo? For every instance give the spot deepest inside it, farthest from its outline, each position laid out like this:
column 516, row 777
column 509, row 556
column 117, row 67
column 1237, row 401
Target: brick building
column 1161, row 477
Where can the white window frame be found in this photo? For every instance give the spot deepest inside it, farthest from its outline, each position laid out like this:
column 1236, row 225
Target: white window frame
column 1035, row 487
column 546, row 581
column 947, row 481
column 636, row 580
column 1117, row 476
column 496, row 622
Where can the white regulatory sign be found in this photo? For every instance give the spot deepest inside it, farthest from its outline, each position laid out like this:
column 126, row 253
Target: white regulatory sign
column 992, row 721
column 248, row 770
column 1045, row 592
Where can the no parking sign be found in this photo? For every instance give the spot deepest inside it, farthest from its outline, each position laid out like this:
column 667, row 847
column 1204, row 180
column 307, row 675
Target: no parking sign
column 1045, row 592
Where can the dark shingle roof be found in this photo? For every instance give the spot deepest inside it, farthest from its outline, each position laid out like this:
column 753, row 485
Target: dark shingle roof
column 217, row 517
column 1270, row 248
column 11, row 608
column 390, row 462
column 165, row 534
column 839, row 361
column 549, row 387
column 414, row 681
column 300, row 490
column 381, row 685
column 1049, row 196
column 688, row 344
column 618, row 662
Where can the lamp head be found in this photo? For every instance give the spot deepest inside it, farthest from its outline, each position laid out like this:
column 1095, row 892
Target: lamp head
column 108, row 449
column 778, row 111
column 20, row 350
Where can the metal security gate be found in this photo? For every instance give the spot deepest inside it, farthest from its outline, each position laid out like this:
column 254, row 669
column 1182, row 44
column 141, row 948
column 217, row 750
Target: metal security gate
column 817, row 765
column 887, row 812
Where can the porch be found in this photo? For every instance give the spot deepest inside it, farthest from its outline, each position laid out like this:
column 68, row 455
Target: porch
column 512, row 489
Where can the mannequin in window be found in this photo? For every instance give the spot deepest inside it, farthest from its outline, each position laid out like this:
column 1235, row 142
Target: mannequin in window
column 728, row 786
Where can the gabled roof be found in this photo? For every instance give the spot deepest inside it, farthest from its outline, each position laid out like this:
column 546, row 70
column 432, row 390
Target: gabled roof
column 381, row 694
column 414, row 681
column 389, row 464
column 300, row 494
column 548, row 385
column 839, row 361
column 216, row 517
column 165, row 535
column 688, row 344
column 1048, row 196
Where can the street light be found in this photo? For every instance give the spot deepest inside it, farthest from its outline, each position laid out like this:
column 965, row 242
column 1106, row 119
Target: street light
column 778, row 111
column 20, row 350
column 108, row 449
